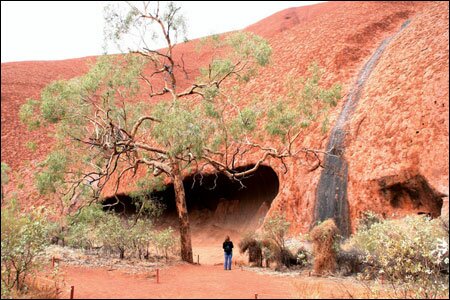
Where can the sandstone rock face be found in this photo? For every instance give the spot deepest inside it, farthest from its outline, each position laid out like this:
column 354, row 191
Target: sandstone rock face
column 400, row 128
column 396, row 142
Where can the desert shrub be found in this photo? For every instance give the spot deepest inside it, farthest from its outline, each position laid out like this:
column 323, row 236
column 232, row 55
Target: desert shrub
column 81, row 229
column 269, row 251
column 410, row 253
column 141, row 235
column 298, row 246
column 93, row 228
column 287, row 258
column 165, row 241
column 367, row 219
column 275, row 230
column 350, row 261
column 57, row 232
column 114, row 234
column 252, row 244
column 303, row 257
column 4, row 178
column 23, row 238
column 324, row 238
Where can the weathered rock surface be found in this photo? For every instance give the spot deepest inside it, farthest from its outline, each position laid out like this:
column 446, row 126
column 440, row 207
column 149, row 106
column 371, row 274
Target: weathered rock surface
column 398, row 132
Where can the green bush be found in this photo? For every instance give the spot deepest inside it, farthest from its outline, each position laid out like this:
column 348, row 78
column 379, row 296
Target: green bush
column 23, row 238
column 114, row 234
column 81, row 231
column 410, row 253
column 303, row 257
column 165, row 241
column 92, row 228
column 252, row 244
column 367, row 219
column 5, row 169
column 275, row 230
column 141, row 236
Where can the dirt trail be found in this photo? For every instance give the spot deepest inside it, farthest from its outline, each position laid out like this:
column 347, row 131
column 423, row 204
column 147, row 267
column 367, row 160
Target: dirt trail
column 181, row 281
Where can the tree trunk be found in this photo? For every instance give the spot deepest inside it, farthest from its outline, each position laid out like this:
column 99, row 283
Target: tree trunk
column 180, row 199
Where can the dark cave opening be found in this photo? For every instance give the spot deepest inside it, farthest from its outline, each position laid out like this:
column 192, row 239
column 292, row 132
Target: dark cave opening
column 216, row 198
column 413, row 194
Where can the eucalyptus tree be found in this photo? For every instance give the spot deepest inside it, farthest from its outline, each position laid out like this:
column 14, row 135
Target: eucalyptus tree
column 108, row 126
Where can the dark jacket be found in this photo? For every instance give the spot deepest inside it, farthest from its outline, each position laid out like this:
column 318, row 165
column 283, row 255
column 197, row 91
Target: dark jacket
column 228, row 247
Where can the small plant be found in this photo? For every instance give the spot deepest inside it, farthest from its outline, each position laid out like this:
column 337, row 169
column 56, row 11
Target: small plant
column 268, row 252
column 5, row 169
column 367, row 219
column 23, row 238
column 32, row 146
column 324, row 238
column 350, row 261
column 114, row 233
column 81, row 231
column 275, row 230
column 251, row 244
column 141, row 236
column 165, row 241
column 302, row 257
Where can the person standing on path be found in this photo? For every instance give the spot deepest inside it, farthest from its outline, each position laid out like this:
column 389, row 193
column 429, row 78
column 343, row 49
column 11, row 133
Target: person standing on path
column 228, row 251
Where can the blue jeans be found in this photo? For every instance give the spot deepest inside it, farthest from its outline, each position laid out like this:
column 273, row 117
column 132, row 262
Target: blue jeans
column 227, row 263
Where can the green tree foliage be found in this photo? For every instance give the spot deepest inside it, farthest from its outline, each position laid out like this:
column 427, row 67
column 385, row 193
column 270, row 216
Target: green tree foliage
column 106, row 127
column 113, row 233
column 23, row 237
column 55, row 167
column 307, row 100
column 81, row 228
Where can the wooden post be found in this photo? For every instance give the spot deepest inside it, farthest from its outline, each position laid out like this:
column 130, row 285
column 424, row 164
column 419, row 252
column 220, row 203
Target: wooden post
column 72, row 289
column 256, row 296
column 198, row 259
column 53, row 261
column 157, row 275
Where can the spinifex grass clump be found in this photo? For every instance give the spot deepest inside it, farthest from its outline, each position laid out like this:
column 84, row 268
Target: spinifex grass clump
column 253, row 245
column 324, row 237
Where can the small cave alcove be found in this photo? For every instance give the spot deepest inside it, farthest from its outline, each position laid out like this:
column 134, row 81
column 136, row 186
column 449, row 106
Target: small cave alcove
column 215, row 200
column 412, row 195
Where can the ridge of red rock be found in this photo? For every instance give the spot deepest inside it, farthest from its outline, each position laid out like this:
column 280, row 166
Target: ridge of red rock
column 406, row 93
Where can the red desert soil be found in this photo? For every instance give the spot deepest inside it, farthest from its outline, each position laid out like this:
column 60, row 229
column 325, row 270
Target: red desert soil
column 201, row 282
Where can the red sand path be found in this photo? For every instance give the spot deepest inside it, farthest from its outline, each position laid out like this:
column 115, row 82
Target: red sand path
column 181, row 281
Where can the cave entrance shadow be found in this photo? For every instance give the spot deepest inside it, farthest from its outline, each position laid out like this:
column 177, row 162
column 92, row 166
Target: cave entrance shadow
column 214, row 201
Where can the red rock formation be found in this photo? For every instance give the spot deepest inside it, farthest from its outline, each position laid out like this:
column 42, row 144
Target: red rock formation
column 399, row 127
